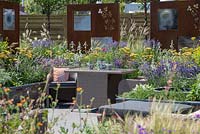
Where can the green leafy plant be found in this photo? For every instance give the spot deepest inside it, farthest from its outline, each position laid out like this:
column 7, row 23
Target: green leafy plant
column 172, row 94
column 26, row 70
column 109, row 57
column 91, row 58
column 149, row 92
column 196, row 55
column 194, row 94
column 23, row 115
column 139, row 92
column 4, row 76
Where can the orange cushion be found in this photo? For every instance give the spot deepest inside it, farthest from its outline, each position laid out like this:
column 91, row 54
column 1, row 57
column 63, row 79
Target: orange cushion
column 59, row 75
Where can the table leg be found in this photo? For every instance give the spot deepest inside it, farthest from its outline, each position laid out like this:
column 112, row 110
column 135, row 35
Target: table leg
column 113, row 82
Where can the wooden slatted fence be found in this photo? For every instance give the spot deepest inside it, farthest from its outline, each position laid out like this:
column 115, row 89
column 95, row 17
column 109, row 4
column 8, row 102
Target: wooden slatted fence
column 59, row 23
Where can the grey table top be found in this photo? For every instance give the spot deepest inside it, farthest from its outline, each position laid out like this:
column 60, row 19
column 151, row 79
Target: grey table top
column 113, row 71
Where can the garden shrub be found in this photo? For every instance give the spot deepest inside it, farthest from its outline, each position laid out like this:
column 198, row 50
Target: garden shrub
column 142, row 92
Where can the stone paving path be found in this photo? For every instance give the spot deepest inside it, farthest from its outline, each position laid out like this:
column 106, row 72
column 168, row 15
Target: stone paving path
column 65, row 118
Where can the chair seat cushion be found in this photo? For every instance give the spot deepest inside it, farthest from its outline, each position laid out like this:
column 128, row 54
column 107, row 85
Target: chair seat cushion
column 59, row 74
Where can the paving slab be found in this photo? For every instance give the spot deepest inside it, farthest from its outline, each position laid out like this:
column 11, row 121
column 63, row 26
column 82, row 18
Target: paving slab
column 142, row 107
column 66, row 119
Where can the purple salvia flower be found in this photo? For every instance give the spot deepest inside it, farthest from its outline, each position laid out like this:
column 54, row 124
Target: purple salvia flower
column 42, row 43
column 152, row 43
column 197, row 116
column 115, row 44
column 117, row 63
column 122, row 44
column 169, row 131
column 139, row 126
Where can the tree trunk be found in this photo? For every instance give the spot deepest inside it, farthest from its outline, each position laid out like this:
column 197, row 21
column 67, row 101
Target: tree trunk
column 145, row 12
column 48, row 18
column 48, row 22
column 145, row 16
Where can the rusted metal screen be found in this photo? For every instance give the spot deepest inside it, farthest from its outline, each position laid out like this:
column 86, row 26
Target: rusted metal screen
column 182, row 23
column 9, row 22
column 104, row 22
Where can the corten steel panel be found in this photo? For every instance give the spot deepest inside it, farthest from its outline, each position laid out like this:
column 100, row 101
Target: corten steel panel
column 1, row 20
column 12, row 35
column 97, row 23
column 77, row 36
column 112, row 28
column 184, row 20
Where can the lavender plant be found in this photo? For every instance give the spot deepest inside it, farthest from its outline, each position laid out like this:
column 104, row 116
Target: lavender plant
column 158, row 74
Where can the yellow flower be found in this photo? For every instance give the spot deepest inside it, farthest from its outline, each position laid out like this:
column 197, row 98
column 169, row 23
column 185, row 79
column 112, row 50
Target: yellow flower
column 14, row 59
column 125, row 50
column 58, row 53
column 187, row 53
column 29, row 55
column 193, row 38
column 79, row 89
column 23, row 100
column 39, row 124
column 3, row 55
column 10, row 101
column 172, row 51
column 150, row 56
column 133, row 55
column 98, row 49
column 147, row 48
column 22, row 51
column 7, row 52
column 6, row 90
column 74, row 102
column 190, row 49
column 48, row 52
column 143, row 56
column 71, row 53
column 19, row 104
column 0, row 85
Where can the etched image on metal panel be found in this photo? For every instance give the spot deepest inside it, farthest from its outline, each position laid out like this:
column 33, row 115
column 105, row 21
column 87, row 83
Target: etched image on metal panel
column 8, row 19
column 167, row 19
column 82, row 21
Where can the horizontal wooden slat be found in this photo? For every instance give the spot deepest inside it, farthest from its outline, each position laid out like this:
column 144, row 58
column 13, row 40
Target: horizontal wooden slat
column 59, row 23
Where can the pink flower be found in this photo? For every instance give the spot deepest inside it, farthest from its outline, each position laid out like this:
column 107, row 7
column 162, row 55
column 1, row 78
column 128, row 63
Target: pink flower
column 104, row 49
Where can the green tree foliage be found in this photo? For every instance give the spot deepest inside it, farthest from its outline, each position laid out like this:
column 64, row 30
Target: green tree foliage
column 31, row 7
column 142, row 2
column 49, row 6
column 16, row 1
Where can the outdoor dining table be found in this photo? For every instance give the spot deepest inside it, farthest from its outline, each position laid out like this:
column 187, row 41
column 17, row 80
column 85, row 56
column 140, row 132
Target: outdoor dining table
column 100, row 84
